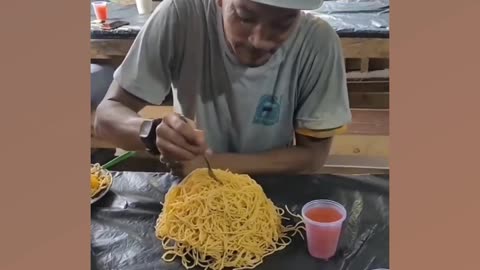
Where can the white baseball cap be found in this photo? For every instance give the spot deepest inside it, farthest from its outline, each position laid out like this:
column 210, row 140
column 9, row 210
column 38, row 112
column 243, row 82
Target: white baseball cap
column 293, row 4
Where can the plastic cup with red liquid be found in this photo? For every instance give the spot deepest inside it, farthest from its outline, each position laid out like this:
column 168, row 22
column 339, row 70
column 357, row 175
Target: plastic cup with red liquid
column 323, row 223
column 100, row 8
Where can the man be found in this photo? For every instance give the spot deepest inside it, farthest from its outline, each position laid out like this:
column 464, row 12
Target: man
column 252, row 75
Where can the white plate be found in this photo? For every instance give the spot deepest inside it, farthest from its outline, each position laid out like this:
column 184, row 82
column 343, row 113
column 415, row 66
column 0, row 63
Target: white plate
column 103, row 192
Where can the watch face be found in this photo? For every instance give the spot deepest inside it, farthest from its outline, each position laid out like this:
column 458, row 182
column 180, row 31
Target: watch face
column 145, row 128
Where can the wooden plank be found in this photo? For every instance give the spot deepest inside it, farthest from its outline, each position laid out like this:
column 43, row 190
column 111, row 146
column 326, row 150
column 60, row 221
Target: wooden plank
column 369, row 100
column 108, row 48
column 369, row 122
column 360, row 145
column 352, row 170
column 364, row 64
column 352, row 47
column 338, row 164
column 379, row 75
column 368, row 86
column 366, row 47
column 384, row 78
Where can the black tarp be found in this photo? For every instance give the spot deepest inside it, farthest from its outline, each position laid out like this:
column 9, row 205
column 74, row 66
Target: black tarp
column 122, row 222
column 370, row 19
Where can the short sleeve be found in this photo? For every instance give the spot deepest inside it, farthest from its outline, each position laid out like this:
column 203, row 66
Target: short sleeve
column 149, row 66
column 323, row 99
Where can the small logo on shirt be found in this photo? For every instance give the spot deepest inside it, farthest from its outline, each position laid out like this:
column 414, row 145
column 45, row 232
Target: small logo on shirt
column 268, row 110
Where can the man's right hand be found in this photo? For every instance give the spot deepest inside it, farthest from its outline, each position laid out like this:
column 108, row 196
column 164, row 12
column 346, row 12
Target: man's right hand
column 178, row 140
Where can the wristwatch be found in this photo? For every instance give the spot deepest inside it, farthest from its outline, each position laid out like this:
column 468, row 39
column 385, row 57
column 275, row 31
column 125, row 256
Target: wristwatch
column 148, row 135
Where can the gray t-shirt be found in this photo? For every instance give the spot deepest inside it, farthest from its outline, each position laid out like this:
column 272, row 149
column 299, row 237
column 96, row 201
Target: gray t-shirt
column 241, row 109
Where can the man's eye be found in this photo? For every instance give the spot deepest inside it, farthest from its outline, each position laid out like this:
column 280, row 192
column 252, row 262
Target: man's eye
column 246, row 20
column 282, row 26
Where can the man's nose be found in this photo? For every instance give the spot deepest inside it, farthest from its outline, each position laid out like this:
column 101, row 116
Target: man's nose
column 261, row 39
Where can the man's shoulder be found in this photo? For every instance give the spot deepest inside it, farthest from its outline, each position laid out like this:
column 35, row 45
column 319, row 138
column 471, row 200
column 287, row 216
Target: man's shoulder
column 316, row 34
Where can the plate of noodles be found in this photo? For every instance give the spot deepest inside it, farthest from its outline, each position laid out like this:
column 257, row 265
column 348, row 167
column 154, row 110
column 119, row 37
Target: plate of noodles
column 226, row 223
column 100, row 182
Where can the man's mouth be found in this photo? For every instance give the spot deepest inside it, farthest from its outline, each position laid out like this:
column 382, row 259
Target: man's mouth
column 252, row 56
column 259, row 53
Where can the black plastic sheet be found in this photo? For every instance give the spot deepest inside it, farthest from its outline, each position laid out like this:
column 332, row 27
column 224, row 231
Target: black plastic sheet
column 357, row 19
column 352, row 7
column 123, row 235
column 370, row 19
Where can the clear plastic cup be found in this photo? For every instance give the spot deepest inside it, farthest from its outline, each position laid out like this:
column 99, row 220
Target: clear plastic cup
column 100, row 8
column 323, row 224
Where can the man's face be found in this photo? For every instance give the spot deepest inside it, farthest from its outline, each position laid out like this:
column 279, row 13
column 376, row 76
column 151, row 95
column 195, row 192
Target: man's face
column 255, row 31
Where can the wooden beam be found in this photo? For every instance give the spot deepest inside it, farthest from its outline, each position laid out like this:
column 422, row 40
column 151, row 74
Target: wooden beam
column 364, row 64
column 368, row 86
column 369, row 122
column 360, row 145
column 369, row 100
column 352, row 170
column 338, row 164
column 366, row 47
column 352, row 47
column 108, row 48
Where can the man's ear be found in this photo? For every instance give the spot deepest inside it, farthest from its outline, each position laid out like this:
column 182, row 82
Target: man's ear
column 220, row 3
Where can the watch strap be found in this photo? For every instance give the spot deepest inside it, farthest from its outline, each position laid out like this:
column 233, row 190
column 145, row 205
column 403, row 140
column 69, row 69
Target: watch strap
column 150, row 141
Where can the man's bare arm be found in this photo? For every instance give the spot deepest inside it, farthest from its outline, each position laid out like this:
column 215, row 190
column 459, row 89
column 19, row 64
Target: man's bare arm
column 118, row 122
column 117, row 119
column 308, row 156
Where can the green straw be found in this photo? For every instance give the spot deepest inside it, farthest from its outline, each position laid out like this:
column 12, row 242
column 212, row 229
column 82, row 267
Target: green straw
column 118, row 159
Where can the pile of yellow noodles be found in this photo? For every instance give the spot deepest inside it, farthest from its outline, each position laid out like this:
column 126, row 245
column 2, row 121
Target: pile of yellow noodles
column 216, row 225
column 99, row 180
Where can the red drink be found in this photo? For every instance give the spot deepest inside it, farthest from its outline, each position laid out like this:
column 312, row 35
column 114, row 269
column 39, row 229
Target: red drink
column 323, row 223
column 100, row 8
column 323, row 214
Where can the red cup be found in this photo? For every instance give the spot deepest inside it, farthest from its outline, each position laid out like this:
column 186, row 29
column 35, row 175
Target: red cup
column 100, row 8
column 323, row 224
